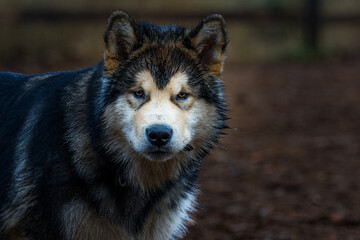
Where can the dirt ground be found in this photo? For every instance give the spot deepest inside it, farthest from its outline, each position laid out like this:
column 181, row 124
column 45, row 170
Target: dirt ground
column 290, row 167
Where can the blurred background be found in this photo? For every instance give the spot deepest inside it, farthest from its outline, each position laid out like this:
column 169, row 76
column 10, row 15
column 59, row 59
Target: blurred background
column 289, row 167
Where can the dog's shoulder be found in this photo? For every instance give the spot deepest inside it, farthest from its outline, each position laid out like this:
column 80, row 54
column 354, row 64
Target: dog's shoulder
column 9, row 85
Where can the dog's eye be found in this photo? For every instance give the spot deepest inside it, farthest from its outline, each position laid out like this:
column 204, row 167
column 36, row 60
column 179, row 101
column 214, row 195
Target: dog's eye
column 182, row 96
column 139, row 94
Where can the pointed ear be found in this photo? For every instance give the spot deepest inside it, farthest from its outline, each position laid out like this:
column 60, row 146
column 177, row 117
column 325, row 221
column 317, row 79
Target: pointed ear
column 120, row 39
column 209, row 40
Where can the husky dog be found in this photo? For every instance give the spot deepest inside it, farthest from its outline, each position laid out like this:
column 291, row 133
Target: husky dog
column 113, row 151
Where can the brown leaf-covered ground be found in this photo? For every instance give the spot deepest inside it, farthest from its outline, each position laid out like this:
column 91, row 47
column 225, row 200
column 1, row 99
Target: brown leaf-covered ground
column 290, row 168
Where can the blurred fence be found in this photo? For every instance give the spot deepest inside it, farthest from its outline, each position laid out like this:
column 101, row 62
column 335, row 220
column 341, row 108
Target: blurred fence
column 311, row 17
column 259, row 30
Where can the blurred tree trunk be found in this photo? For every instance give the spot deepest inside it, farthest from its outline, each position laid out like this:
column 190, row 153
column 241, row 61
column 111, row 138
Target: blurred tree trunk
column 312, row 18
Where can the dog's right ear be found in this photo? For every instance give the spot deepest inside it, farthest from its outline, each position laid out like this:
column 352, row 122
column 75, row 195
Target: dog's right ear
column 120, row 38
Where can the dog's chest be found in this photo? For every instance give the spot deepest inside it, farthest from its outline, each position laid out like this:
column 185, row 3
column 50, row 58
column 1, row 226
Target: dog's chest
column 166, row 220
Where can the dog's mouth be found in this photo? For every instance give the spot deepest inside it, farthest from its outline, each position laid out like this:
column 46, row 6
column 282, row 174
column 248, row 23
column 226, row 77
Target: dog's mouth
column 158, row 155
column 161, row 154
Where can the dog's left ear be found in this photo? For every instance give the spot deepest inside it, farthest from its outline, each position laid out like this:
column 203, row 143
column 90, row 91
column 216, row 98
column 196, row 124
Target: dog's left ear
column 209, row 40
column 120, row 39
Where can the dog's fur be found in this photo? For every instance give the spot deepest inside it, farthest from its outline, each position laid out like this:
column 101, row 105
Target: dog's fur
column 76, row 161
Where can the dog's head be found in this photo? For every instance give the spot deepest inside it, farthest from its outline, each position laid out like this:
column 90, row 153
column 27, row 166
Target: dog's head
column 161, row 90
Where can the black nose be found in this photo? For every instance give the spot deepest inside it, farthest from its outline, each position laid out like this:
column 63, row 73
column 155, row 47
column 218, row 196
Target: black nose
column 159, row 135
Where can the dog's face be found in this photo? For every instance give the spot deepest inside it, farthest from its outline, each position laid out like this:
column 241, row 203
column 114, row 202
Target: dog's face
column 162, row 93
column 161, row 121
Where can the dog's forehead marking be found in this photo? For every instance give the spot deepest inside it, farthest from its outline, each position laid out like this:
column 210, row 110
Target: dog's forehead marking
column 145, row 80
column 177, row 82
